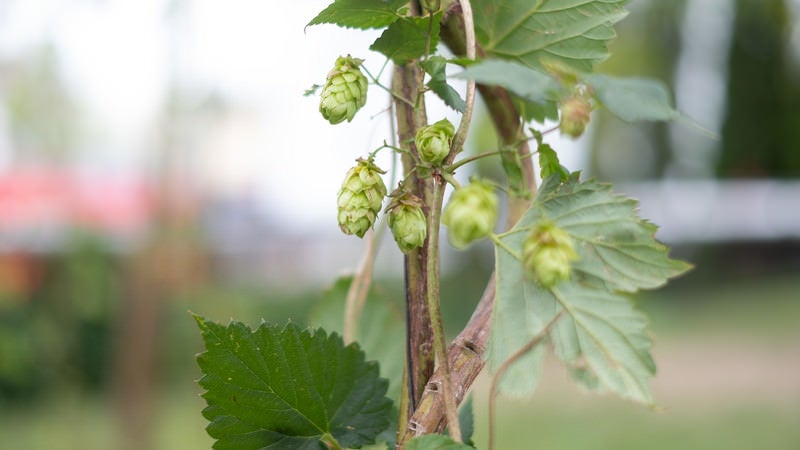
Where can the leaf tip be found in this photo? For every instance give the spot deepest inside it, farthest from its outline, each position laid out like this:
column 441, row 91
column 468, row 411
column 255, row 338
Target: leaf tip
column 201, row 321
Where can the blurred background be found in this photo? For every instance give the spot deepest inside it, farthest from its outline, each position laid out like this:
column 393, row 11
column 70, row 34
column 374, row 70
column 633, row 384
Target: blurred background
column 158, row 157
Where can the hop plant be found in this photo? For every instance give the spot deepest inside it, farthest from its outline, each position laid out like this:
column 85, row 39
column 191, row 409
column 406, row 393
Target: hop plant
column 431, row 6
column 471, row 213
column 407, row 222
column 575, row 114
column 360, row 198
column 547, row 255
column 433, row 141
column 345, row 91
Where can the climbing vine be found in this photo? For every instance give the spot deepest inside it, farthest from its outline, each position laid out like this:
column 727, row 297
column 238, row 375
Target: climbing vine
column 570, row 255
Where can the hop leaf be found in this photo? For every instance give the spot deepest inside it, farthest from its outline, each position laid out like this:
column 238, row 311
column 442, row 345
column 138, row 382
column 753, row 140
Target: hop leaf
column 433, row 141
column 407, row 222
column 547, row 254
column 471, row 213
column 360, row 198
column 575, row 114
column 288, row 388
column 345, row 91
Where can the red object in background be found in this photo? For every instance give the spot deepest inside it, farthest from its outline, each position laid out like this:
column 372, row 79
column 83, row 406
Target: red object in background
column 20, row 275
column 43, row 197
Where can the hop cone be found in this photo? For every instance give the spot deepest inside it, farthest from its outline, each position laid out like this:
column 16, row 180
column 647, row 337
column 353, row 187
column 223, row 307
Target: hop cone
column 575, row 114
column 547, row 255
column 345, row 91
column 433, row 141
column 407, row 222
column 360, row 198
column 470, row 214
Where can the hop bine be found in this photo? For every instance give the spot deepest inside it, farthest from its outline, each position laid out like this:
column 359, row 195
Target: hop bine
column 360, row 197
column 433, row 141
column 547, row 255
column 471, row 213
column 345, row 91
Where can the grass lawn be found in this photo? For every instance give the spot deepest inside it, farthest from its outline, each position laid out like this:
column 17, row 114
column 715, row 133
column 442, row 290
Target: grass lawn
column 569, row 420
column 603, row 424
column 729, row 378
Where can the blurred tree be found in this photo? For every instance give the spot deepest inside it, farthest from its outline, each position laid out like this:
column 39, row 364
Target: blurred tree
column 621, row 151
column 761, row 134
column 43, row 119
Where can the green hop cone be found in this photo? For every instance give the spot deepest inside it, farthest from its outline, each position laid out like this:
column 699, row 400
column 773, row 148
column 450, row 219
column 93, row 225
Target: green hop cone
column 471, row 213
column 575, row 115
column 547, row 255
column 407, row 222
column 433, row 141
column 360, row 198
column 345, row 91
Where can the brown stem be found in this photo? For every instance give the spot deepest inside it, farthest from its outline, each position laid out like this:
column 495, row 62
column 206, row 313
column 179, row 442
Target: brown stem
column 465, row 356
column 466, row 353
column 406, row 83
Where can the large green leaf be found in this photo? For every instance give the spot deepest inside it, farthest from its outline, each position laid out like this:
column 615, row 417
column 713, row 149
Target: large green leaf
column 601, row 337
column 380, row 330
column 615, row 246
column 529, row 84
column 574, row 32
column 408, row 38
column 361, row 14
column 280, row 388
column 515, row 321
column 633, row 99
column 530, row 111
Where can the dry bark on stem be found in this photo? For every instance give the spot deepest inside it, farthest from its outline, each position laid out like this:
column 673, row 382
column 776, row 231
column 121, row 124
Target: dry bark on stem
column 466, row 360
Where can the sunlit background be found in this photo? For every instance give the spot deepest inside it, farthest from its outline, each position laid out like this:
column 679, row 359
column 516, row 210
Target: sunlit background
column 158, row 156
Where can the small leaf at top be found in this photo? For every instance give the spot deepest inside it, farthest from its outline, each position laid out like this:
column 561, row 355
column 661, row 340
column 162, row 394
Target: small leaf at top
column 574, row 33
column 360, row 14
column 633, row 99
column 512, row 166
column 435, row 442
column 529, row 84
column 435, row 67
column 276, row 387
column 549, row 163
column 407, row 38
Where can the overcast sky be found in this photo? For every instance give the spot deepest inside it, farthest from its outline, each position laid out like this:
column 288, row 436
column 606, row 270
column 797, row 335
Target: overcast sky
column 118, row 58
